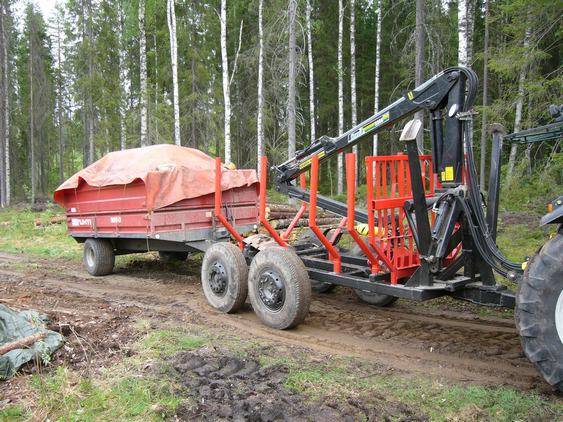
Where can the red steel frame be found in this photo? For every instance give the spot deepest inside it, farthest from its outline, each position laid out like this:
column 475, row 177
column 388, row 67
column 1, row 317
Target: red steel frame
column 218, row 202
column 263, row 219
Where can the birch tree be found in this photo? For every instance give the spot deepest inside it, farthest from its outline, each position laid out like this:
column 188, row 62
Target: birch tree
column 60, row 100
column 340, row 185
column 171, row 15
column 419, row 65
column 485, row 97
column 124, row 80
column 291, row 80
column 377, row 69
column 90, row 100
column 4, row 108
column 226, row 84
column 353, row 99
column 260, row 117
column 31, row 114
column 519, row 105
column 465, row 20
column 312, row 117
column 143, row 73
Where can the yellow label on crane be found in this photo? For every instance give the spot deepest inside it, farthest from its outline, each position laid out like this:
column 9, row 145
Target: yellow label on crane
column 448, row 174
column 410, row 95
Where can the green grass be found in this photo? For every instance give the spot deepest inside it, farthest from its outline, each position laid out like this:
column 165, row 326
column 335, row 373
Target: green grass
column 517, row 241
column 168, row 342
column 20, row 235
column 438, row 401
column 13, row 413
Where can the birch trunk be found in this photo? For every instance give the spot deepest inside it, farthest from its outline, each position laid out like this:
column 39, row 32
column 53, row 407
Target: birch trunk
column 260, row 117
column 312, row 117
column 291, row 81
column 123, row 80
column 226, row 84
column 519, row 104
column 377, row 69
column 340, row 184
column 174, row 60
column 465, row 19
column 419, row 65
column 7, row 168
column 485, row 98
column 143, row 73
column 353, row 100
column 90, row 32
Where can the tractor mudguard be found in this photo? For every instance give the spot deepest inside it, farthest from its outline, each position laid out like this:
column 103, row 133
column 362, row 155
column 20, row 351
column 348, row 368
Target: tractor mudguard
column 555, row 216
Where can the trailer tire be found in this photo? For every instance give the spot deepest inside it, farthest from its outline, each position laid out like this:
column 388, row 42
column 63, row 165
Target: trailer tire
column 99, row 257
column 224, row 277
column 279, row 288
column 166, row 256
column 539, row 311
column 376, row 299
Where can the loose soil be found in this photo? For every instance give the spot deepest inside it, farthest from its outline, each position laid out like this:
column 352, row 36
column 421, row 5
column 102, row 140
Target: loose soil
column 97, row 315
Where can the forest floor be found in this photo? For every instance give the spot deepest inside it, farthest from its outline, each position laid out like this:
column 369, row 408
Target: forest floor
column 143, row 344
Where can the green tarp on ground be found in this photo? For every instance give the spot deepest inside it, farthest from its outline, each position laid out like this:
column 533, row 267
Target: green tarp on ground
column 18, row 325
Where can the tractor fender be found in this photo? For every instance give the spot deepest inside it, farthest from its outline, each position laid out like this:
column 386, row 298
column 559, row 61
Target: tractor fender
column 555, row 216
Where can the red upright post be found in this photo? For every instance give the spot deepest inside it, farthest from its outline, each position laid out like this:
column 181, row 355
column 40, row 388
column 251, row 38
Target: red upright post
column 263, row 219
column 218, row 203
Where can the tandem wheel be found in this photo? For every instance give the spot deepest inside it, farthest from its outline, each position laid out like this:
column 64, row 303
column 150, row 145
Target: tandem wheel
column 279, row 287
column 99, row 257
column 224, row 277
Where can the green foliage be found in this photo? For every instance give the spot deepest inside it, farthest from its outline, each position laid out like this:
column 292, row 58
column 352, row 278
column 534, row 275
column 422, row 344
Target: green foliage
column 13, row 414
column 168, row 342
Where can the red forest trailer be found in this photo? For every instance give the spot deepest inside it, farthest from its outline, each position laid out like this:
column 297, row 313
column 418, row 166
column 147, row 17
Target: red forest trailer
column 161, row 198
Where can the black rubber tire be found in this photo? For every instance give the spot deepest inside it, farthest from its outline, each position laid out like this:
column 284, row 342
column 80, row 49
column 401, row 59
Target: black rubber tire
column 297, row 287
column 99, row 257
column 230, row 258
column 376, row 299
column 165, row 256
column 537, row 297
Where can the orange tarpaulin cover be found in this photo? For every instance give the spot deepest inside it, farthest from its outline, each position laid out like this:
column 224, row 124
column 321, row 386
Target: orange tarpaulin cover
column 170, row 172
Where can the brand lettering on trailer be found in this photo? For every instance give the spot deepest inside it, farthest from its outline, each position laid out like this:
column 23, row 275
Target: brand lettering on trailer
column 115, row 220
column 77, row 222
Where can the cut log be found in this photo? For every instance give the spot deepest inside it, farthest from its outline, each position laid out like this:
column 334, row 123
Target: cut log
column 303, row 222
column 21, row 343
column 57, row 219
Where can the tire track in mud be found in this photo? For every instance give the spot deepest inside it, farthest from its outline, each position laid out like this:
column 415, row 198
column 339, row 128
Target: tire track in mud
column 460, row 349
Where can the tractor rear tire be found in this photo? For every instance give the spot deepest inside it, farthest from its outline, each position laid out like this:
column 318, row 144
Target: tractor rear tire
column 99, row 257
column 376, row 299
column 279, row 288
column 539, row 311
column 224, row 277
column 166, row 256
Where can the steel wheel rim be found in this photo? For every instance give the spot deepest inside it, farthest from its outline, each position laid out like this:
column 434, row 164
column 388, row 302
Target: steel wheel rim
column 218, row 280
column 559, row 316
column 271, row 290
column 90, row 258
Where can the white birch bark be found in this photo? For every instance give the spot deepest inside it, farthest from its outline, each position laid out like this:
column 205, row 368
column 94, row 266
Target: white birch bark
column 226, row 84
column 419, row 65
column 143, row 73
column 60, row 102
column 465, row 18
column 5, row 126
column 174, row 60
column 340, row 184
column 291, row 81
column 90, row 32
column 31, row 119
column 312, row 117
column 124, row 81
column 260, row 117
column 519, row 105
column 377, row 68
column 353, row 100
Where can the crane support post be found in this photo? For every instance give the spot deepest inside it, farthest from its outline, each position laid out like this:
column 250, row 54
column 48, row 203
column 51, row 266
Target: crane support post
column 218, row 203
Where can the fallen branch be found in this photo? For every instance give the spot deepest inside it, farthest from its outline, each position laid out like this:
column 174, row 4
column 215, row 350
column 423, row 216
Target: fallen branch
column 21, row 343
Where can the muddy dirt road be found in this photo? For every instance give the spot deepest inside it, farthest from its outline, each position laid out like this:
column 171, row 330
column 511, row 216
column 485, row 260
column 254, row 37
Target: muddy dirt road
column 460, row 347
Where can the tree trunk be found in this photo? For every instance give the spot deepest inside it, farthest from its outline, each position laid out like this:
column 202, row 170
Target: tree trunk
column 377, row 68
column 3, row 59
column 353, row 100
column 340, row 184
column 312, row 117
column 226, row 84
column 519, row 104
column 31, row 118
column 485, row 98
column 291, row 81
column 60, row 102
column 260, row 118
column 143, row 73
column 123, row 81
column 419, row 65
column 91, row 146
column 465, row 20
column 174, row 60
